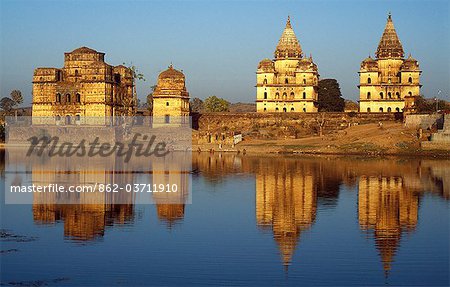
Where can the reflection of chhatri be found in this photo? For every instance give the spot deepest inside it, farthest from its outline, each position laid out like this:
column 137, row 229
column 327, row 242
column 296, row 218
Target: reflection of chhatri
column 85, row 87
column 387, row 208
column 389, row 83
column 286, row 202
column 289, row 83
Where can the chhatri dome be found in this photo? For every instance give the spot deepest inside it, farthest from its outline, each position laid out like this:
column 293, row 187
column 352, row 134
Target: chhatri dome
column 390, row 45
column 288, row 45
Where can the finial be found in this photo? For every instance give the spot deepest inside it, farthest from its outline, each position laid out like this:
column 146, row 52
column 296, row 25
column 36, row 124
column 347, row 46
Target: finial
column 170, row 66
column 288, row 23
column 389, row 16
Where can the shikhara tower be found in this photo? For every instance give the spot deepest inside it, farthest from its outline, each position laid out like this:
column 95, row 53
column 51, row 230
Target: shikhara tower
column 389, row 83
column 289, row 82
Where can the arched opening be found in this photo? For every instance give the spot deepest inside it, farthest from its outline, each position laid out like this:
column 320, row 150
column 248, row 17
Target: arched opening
column 284, row 110
column 76, row 73
column 368, row 110
column 78, row 98
column 397, row 94
column 304, row 110
column 369, row 80
column 284, row 96
column 390, row 95
column 368, row 95
column 410, row 80
column 286, row 81
column 292, row 95
column 397, row 110
column 58, row 98
column 304, row 95
column 67, row 98
column 304, row 81
column 410, row 94
column 265, row 82
column 276, row 109
column 292, row 109
column 77, row 119
column 68, row 120
column 265, row 109
column 389, row 110
column 381, row 95
column 167, row 104
column 58, row 118
column 277, row 95
column 265, row 95
column 166, row 119
column 381, row 110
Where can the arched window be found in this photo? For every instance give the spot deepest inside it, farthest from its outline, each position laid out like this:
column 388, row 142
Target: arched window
column 77, row 118
column 397, row 94
column 304, row 110
column 58, row 118
column 381, row 110
column 277, row 95
column 292, row 95
column 368, row 95
column 58, row 98
column 286, row 81
column 304, row 81
column 265, row 109
column 410, row 80
column 368, row 110
column 304, row 95
column 68, row 121
column 78, row 98
column 265, row 82
column 166, row 119
column 381, row 95
column 390, row 95
column 369, row 80
column 292, row 109
column 284, row 110
column 276, row 109
column 167, row 104
column 67, row 98
column 284, row 96
column 265, row 95
column 76, row 73
column 397, row 110
column 410, row 94
column 389, row 110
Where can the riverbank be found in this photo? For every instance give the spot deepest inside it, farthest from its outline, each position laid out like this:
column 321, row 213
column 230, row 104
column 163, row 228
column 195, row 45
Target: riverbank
column 369, row 139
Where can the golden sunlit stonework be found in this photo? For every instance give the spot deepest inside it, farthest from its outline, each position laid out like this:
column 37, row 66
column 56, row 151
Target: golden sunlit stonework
column 289, row 83
column 85, row 87
column 170, row 98
column 389, row 83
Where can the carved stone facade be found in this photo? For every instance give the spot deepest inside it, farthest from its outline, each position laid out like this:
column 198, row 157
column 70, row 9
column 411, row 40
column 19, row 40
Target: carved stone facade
column 389, row 83
column 85, row 91
column 289, row 83
column 171, row 99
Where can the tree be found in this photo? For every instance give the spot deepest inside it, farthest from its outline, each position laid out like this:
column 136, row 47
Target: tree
column 424, row 105
column 6, row 104
column 150, row 98
column 330, row 97
column 196, row 105
column 17, row 98
column 215, row 104
column 136, row 76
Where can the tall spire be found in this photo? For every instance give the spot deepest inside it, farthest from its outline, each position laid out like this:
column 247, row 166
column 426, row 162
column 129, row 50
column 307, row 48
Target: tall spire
column 390, row 45
column 288, row 45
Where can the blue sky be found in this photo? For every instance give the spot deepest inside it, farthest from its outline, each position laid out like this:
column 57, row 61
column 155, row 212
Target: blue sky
column 218, row 44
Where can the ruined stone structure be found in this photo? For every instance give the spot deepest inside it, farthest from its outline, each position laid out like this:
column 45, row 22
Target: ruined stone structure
column 85, row 87
column 389, row 83
column 288, row 83
column 170, row 99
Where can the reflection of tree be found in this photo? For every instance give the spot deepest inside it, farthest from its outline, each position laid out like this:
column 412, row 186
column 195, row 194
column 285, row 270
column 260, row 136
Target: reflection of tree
column 388, row 209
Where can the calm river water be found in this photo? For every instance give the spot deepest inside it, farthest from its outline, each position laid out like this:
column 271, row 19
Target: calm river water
column 253, row 221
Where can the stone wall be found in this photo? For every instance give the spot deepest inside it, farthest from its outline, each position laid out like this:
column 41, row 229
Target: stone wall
column 423, row 121
column 211, row 126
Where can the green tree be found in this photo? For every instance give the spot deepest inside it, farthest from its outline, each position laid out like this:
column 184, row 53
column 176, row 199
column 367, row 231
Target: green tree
column 424, row 105
column 6, row 104
column 330, row 97
column 150, row 98
column 196, row 105
column 137, row 76
column 215, row 104
column 17, row 98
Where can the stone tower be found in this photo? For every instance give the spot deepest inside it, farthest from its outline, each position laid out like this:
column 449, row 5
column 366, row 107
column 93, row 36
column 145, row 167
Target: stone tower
column 289, row 83
column 389, row 83
column 171, row 99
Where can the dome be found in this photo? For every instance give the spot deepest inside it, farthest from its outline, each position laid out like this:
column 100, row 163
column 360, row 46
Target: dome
column 84, row 50
column 288, row 45
column 369, row 60
column 171, row 73
column 266, row 65
column 410, row 64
